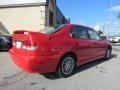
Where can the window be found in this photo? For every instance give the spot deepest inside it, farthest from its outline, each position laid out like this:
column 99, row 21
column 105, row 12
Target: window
column 54, row 29
column 93, row 34
column 79, row 32
column 50, row 18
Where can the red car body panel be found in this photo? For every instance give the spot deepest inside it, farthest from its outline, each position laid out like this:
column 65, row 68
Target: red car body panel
column 52, row 47
column 35, row 64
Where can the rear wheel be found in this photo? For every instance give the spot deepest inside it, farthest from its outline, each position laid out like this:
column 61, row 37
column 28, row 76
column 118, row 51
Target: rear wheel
column 108, row 54
column 66, row 66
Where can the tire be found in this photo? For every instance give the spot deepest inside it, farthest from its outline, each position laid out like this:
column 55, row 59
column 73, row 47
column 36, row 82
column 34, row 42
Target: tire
column 66, row 66
column 108, row 54
column 119, row 41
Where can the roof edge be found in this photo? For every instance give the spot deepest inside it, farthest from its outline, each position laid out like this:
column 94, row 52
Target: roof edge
column 23, row 5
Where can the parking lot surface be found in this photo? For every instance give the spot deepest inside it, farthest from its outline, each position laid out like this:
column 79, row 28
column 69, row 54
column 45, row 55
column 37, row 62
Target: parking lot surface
column 97, row 75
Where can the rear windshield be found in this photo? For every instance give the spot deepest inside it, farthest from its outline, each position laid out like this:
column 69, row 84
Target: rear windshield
column 51, row 30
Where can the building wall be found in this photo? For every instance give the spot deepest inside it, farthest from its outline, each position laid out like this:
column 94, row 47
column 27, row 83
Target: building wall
column 28, row 15
column 19, row 2
column 3, row 30
column 26, row 18
column 51, row 7
column 60, row 18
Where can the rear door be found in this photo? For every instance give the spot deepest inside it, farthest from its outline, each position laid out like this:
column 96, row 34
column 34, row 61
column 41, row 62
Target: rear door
column 81, row 44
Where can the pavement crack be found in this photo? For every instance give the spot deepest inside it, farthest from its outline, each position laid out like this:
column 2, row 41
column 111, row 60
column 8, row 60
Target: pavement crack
column 13, row 79
column 101, row 69
column 44, row 88
column 33, row 83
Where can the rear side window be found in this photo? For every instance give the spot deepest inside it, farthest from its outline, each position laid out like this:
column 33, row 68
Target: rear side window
column 54, row 29
column 79, row 32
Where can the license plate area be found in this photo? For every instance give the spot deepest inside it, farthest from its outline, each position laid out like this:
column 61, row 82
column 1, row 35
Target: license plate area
column 18, row 44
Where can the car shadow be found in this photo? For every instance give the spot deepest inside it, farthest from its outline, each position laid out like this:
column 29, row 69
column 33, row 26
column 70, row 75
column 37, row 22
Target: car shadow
column 81, row 68
column 92, row 64
column 51, row 76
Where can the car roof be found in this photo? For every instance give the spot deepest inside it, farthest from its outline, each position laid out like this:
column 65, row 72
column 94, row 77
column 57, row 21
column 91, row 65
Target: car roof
column 78, row 25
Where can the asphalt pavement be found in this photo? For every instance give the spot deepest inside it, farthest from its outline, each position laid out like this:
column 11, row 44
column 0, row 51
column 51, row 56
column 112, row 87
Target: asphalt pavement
column 96, row 75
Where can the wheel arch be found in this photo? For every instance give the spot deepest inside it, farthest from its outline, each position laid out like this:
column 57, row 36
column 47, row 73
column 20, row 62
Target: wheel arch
column 110, row 47
column 68, row 53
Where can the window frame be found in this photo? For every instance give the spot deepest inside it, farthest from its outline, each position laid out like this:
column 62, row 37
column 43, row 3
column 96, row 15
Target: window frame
column 51, row 18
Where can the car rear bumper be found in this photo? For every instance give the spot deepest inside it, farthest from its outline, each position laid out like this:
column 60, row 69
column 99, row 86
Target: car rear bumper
column 35, row 64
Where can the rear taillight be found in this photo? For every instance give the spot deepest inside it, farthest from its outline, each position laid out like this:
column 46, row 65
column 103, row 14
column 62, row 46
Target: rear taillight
column 27, row 45
column 23, row 40
column 13, row 42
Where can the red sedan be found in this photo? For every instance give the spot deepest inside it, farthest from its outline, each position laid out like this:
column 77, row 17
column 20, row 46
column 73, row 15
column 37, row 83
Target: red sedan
column 58, row 49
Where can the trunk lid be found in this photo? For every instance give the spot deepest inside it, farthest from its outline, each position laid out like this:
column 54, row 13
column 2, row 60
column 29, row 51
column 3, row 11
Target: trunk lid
column 26, row 42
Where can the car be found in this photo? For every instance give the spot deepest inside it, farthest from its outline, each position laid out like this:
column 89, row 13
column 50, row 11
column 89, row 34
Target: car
column 116, row 39
column 5, row 42
column 110, row 38
column 58, row 49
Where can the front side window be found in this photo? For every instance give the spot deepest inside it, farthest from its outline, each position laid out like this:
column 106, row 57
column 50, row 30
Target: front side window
column 93, row 35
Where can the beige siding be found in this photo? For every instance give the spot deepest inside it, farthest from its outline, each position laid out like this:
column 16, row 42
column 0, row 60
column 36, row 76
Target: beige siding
column 23, row 18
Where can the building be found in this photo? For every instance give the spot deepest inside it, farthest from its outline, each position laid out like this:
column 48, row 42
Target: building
column 29, row 15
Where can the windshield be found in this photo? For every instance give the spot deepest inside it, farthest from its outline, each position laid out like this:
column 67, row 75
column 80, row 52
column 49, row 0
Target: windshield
column 54, row 29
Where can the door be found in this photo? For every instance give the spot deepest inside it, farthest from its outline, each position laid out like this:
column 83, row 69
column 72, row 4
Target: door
column 81, row 44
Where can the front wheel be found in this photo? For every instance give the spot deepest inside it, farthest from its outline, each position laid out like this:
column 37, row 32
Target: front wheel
column 66, row 66
column 119, row 41
column 108, row 54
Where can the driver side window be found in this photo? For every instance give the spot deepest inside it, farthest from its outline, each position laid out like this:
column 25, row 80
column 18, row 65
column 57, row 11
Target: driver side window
column 93, row 35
